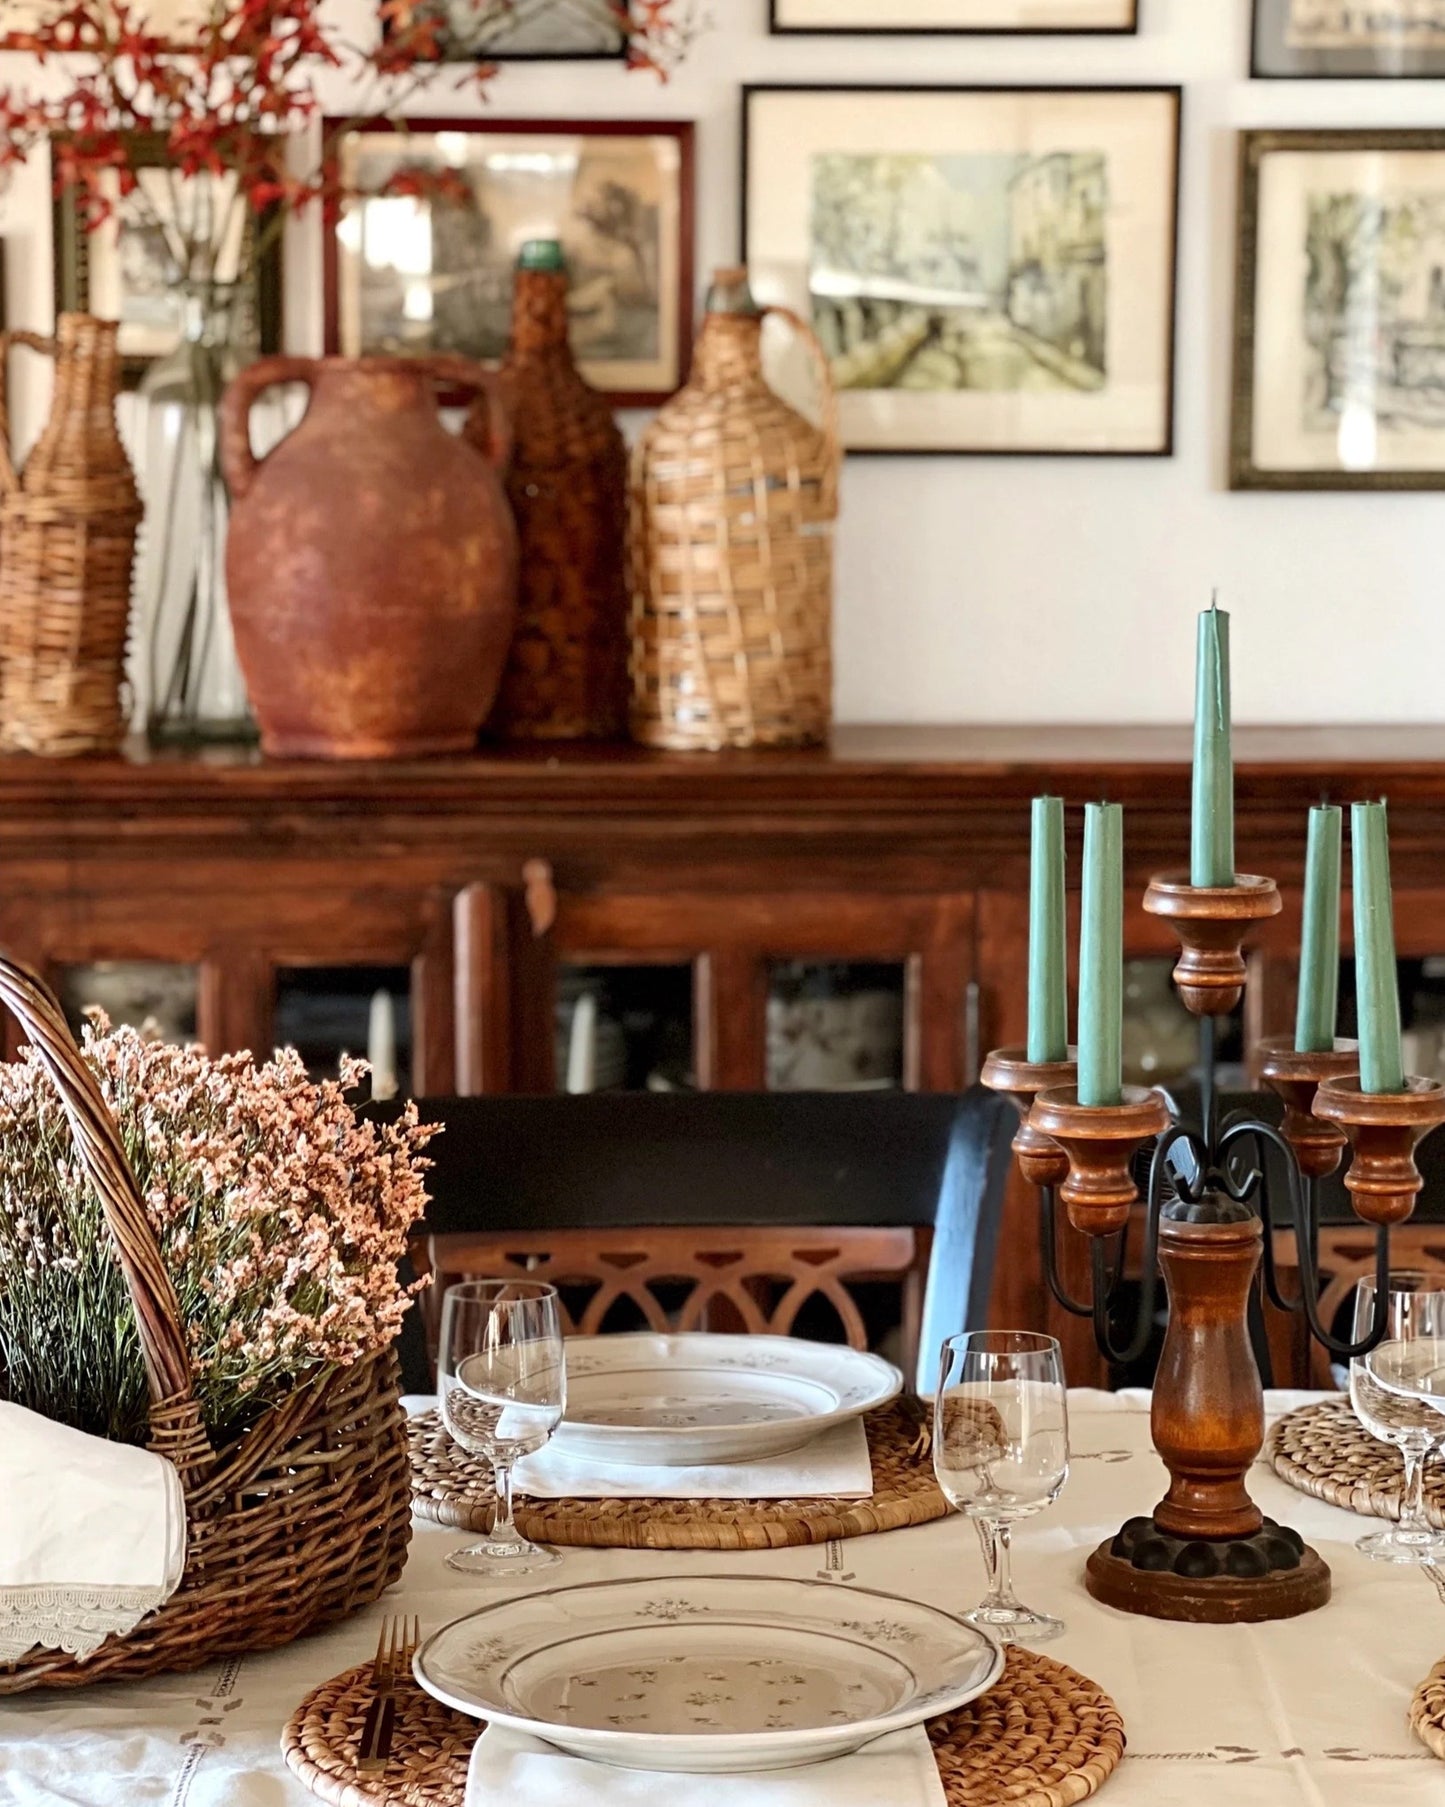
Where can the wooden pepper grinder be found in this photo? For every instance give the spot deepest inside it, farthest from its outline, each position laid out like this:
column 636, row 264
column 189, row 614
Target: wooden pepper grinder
column 566, row 675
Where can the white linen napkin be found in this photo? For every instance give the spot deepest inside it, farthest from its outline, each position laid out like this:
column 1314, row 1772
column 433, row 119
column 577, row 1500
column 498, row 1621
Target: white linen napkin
column 896, row 1771
column 834, row 1465
column 92, row 1536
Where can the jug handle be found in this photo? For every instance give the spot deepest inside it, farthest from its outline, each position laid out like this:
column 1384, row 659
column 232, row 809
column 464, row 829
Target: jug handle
column 9, row 476
column 453, row 372
column 832, row 444
column 239, row 464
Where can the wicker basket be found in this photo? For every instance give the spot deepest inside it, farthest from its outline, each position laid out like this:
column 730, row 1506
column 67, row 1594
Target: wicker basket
column 733, row 496
column 67, row 544
column 301, row 1520
column 566, row 675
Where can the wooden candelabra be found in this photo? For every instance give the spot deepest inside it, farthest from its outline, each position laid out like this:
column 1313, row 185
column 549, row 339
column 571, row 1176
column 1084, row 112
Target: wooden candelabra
column 1206, row 1553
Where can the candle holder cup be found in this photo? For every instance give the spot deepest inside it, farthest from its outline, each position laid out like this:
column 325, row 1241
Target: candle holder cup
column 1211, row 922
column 1295, row 1076
column 1010, row 1072
column 1384, row 1130
column 1099, row 1141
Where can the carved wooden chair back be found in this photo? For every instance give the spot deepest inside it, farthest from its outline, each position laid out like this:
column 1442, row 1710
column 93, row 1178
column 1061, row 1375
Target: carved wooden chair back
column 757, row 1279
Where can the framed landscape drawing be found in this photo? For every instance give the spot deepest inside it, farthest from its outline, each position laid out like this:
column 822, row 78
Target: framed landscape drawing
column 1349, row 38
column 904, row 17
column 529, row 30
column 124, row 271
column 990, row 270
column 1340, row 312
column 410, row 274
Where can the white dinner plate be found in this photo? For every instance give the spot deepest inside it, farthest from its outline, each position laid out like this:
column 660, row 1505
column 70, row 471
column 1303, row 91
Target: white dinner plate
column 682, row 1401
column 708, row 1674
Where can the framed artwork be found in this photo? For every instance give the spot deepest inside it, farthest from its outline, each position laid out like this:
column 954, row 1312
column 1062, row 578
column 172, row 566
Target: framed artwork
column 427, row 275
column 530, row 30
column 902, row 18
column 990, row 270
column 171, row 19
column 1348, row 38
column 124, row 270
column 1339, row 373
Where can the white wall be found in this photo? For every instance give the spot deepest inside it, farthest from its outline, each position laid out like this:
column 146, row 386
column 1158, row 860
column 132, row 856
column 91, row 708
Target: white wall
column 976, row 589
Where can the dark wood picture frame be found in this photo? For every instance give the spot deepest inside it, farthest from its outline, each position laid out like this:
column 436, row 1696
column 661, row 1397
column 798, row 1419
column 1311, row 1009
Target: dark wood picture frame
column 1326, row 65
column 683, row 131
column 1173, row 91
column 778, row 30
column 70, row 243
column 542, row 56
column 1254, row 147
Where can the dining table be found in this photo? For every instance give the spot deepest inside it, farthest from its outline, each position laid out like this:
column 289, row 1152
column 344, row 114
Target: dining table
column 1310, row 1710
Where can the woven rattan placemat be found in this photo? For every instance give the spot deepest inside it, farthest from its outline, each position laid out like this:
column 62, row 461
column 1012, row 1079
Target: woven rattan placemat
column 455, row 1489
column 1323, row 1451
column 1043, row 1737
column 1427, row 1711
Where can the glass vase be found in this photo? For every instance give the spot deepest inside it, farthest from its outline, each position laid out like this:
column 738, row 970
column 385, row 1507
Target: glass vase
column 187, row 667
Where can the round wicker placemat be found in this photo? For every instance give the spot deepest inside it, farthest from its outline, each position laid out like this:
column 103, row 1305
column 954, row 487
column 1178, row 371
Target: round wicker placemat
column 1427, row 1711
column 1323, row 1451
column 1045, row 1736
column 452, row 1488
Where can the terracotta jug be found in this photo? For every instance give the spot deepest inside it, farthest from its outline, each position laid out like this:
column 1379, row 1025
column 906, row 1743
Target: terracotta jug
column 371, row 560
column 566, row 675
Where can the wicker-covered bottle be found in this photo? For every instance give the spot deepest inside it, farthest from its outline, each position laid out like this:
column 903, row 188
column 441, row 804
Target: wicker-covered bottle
column 733, row 499
column 67, row 544
column 566, row 675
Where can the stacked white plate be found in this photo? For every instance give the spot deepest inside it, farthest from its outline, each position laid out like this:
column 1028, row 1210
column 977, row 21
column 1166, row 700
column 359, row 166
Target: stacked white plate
column 685, row 1401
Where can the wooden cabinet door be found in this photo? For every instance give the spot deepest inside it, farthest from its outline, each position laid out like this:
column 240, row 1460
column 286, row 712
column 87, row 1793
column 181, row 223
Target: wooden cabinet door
column 513, row 947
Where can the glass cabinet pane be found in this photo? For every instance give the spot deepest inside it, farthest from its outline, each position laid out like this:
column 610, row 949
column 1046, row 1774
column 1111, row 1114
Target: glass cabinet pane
column 1422, row 1012
column 1161, row 1037
column 327, row 1011
column 624, row 1028
column 155, row 995
column 835, row 1026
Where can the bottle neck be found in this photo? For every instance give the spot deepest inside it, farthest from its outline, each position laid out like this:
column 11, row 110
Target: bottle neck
column 539, row 314
column 729, row 351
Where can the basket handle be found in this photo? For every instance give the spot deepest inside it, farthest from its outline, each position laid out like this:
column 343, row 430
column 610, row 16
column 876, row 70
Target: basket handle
column 98, row 1143
column 9, row 476
column 832, row 443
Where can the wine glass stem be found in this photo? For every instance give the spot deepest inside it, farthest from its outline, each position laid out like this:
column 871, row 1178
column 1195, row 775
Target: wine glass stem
column 1413, row 1521
column 504, row 1529
column 999, row 1548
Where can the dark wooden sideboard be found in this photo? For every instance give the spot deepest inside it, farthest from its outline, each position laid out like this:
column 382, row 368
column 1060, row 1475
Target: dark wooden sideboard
column 484, row 876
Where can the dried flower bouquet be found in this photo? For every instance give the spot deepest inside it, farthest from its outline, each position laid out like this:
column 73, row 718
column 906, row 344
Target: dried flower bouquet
column 279, row 1213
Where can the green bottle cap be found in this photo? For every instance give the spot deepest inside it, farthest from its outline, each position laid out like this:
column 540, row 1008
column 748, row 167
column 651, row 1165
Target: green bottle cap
column 730, row 292
column 541, row 254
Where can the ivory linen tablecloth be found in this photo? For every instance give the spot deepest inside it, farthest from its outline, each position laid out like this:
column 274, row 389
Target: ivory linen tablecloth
column 1311, row 1711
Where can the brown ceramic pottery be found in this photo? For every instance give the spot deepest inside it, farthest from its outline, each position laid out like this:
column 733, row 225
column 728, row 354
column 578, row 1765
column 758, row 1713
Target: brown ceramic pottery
column 371, row 560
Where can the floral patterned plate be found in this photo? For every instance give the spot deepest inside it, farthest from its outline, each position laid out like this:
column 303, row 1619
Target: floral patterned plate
column 682, row 1401
column 708, row 1674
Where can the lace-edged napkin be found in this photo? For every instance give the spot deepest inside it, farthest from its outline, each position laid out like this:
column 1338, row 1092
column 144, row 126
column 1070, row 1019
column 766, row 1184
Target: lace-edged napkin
column 92, row 1536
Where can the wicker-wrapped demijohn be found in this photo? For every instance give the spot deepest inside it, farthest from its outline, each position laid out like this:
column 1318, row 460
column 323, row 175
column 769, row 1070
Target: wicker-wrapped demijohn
column 733, row 499
column 566, row 673
column 67, row 545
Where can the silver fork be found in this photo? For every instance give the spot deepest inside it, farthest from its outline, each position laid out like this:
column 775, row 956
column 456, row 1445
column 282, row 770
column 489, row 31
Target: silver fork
column 395, row 1648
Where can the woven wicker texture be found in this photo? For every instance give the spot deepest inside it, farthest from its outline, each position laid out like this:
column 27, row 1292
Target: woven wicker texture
column 731, row 506
column 67, row 530
column 1323, row 1451
column 455, row 1489
column 1043, row 1737
column 1427, row 1711
column 297, row 1522
column 566, row 673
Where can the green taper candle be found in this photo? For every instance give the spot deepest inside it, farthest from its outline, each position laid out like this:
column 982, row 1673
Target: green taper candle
column 1377, row 984
column 1319, row 967
column 1048, row 956
column 1211, row 851
column 1101, row 957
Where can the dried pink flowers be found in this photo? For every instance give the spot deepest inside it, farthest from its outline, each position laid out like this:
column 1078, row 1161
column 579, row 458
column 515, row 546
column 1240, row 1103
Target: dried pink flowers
column 281, row 1216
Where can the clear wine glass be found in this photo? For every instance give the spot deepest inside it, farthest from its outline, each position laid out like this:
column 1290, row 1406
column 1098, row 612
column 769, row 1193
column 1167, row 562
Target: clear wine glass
column 501, row 1371
column 1001, row 1454
column 1390, row 1390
